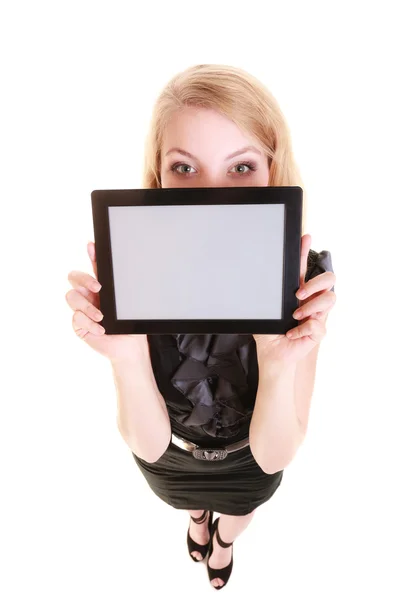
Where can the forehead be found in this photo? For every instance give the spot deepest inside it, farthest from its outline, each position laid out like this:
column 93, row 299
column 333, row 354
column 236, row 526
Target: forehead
column 194, row 127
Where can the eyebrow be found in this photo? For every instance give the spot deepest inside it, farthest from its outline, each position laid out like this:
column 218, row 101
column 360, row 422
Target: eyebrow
column 241, row 151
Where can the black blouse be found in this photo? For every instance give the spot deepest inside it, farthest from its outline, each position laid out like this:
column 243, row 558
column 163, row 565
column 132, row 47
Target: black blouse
column 209, row 382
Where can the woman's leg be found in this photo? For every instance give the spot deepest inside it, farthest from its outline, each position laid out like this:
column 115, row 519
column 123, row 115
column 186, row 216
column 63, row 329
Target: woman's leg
column 229, row 527
column 199, row 531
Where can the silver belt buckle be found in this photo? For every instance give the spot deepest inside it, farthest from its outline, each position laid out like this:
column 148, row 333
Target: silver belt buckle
column 207, row 454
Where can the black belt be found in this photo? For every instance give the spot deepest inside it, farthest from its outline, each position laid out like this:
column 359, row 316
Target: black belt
column 208, row 453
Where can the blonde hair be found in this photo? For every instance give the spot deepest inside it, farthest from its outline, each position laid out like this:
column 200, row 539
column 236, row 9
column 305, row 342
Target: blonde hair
column 237, row 95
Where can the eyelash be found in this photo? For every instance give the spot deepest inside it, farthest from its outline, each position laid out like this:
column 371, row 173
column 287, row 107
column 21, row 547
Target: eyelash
column 251, row 165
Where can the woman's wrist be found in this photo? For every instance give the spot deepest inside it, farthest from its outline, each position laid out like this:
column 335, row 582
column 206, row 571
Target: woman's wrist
column 137, row 352
column 275, row 368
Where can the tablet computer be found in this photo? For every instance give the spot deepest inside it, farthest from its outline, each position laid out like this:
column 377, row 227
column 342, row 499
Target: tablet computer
column 198, row 260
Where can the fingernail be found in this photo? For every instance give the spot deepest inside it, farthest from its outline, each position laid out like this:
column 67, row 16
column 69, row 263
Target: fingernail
column 297, row 314
column 95, row 286
column 301, row 294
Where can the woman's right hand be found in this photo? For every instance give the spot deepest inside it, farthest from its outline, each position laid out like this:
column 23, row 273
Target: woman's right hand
column 84, row 300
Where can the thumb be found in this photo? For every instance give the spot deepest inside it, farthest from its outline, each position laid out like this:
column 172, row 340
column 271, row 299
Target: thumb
column 92, row 255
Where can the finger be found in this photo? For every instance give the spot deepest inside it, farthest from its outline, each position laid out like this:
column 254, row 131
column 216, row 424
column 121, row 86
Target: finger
column 324, row 281
column 311, row 297
column 76, row 301
column 78, row 278
column 82, row 325
column 305, row 249
column 321, row 316
column 91, row 248
column 313, row 328
column 321, row 303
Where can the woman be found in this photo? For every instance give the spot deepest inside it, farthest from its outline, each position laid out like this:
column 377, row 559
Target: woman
column 247, row 394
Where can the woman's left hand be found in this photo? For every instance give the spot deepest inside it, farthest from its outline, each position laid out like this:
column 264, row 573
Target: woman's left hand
column 315, row 306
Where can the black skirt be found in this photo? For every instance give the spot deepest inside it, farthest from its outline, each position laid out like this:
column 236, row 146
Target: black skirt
column 233, row 486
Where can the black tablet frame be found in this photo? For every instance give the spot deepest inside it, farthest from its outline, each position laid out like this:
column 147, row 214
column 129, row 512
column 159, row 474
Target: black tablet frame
column 290, row 196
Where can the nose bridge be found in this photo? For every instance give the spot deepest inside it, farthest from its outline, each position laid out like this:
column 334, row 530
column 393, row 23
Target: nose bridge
column 212, row 180
column 211, row 174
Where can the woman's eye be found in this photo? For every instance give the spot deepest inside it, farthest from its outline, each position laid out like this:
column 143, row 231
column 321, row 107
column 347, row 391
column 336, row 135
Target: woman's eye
column 174, row 168
column 250, row 165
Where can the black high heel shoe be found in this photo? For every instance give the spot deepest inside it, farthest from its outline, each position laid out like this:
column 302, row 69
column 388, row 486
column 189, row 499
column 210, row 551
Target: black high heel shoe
column 224, row 573
column 194, row 546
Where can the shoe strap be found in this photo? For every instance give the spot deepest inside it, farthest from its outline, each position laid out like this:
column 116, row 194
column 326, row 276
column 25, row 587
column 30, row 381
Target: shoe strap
column 200, row 519
column 220, row 542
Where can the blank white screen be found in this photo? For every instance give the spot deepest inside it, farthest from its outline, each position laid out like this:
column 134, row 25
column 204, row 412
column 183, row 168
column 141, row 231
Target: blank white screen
column 198, row 261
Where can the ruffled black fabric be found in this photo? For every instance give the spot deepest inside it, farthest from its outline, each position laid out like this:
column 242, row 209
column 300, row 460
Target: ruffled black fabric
column 209, row 382
column 318, row 263
column 213, row 377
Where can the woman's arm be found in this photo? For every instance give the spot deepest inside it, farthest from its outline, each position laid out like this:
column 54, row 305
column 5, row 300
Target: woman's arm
column 142, row 415
column 282, row 409
column 287, row 367
column 275, row 430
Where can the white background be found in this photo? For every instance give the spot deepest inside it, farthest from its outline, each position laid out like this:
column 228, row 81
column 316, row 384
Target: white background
column 79, row 80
